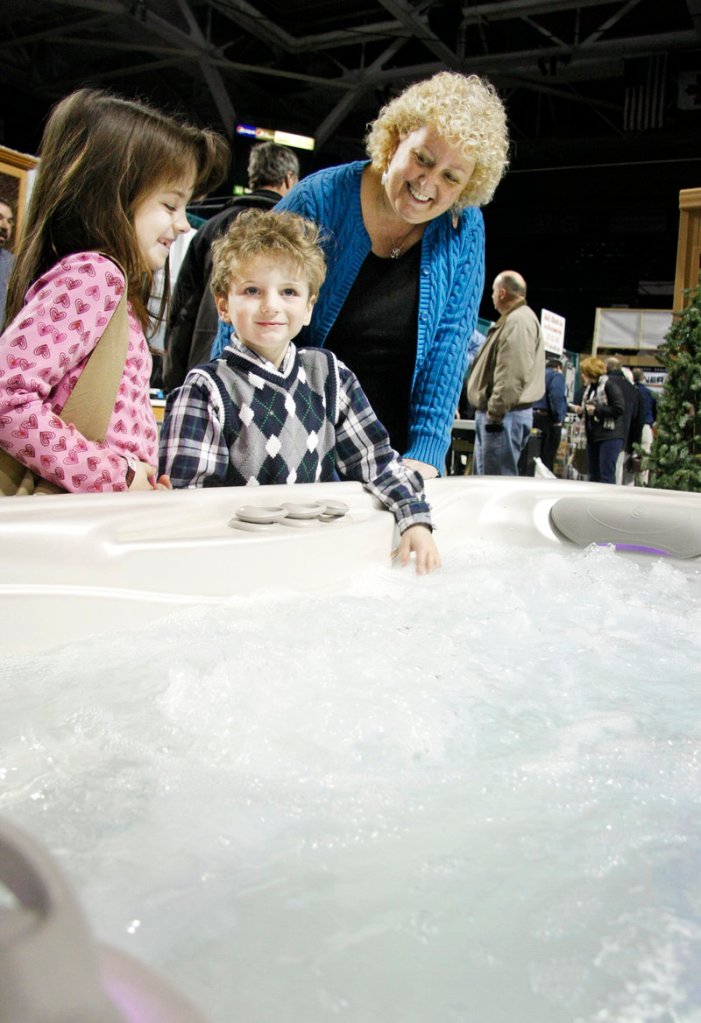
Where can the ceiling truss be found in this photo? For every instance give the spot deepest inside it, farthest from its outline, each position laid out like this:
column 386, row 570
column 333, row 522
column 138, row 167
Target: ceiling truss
column 323, row 67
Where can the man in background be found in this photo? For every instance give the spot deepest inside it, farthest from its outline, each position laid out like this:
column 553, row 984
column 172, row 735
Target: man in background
column 507, row 376
column 549, row 412
column 7, row 222
column 648, row 403
column 193, row 319
column 649, row 406
column 632, row 419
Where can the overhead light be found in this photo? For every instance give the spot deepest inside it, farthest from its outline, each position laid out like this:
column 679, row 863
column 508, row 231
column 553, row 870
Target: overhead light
column 282, row 138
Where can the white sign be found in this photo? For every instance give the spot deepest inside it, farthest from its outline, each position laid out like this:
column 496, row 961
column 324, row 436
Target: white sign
column 622, row 329
column 553, row 327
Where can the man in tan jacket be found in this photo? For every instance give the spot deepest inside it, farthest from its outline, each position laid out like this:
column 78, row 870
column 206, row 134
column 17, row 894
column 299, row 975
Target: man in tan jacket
column 507, row 376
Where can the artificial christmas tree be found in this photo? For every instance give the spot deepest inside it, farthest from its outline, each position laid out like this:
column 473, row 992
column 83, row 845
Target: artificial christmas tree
column 675, row 459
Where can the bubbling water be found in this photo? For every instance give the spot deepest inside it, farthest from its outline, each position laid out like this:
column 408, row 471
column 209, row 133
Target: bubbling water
column 466, row 798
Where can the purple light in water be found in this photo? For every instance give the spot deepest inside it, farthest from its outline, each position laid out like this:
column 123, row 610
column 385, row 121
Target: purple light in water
column 640, row 549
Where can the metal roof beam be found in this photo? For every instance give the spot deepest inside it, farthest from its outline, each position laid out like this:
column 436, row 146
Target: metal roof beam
column 210, row 72
column 351, row 99
column 419, row 29
column 273, row 35
column 54, row 32
column 610, row 22
column 504, row 10
column 525, row 60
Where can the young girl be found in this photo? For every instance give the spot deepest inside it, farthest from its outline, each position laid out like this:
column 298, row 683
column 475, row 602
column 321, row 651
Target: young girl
column 111, row 190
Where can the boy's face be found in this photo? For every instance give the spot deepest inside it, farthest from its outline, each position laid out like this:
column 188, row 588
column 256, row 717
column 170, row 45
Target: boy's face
column 268, row 304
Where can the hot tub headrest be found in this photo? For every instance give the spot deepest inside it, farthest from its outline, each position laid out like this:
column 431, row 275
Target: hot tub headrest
column 51, row 968
column 654, row 528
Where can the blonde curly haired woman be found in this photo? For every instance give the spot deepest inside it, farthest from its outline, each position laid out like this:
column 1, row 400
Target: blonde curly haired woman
column 404, row 242
column 602, row 407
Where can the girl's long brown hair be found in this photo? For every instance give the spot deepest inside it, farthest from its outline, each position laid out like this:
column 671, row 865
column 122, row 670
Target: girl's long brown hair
column 101, row 155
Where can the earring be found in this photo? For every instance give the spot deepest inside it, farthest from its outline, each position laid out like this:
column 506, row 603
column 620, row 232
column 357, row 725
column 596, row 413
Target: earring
column 383, row 179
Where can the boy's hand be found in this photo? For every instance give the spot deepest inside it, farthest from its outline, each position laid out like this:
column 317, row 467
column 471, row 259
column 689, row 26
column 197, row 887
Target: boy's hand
column 418, row 539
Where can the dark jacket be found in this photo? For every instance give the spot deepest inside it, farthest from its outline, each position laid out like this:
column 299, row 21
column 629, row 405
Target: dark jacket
column 607, row 422
column 648, row 402
column 193, row 319
column 554, row 401
column 633, row 409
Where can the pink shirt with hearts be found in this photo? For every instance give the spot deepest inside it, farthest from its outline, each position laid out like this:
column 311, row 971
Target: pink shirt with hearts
column 43, row 352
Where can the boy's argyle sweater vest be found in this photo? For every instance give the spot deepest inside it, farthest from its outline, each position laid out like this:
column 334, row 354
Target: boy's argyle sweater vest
column 266, row 414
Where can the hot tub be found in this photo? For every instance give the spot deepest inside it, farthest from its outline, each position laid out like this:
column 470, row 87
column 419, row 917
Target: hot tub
column 303, row 784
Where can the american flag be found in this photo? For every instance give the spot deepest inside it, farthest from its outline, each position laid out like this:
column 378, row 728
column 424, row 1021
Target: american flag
column 643, row 105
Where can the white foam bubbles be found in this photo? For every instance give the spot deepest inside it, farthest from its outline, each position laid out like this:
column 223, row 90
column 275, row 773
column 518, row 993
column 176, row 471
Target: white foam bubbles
column 472, row 796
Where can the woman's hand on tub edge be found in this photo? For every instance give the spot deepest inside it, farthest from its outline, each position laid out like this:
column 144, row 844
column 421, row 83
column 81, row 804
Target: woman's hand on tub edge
column 418, row 539
column 429, row 472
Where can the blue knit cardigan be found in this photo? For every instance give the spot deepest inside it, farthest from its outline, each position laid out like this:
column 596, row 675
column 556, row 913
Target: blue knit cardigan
column 450, row 289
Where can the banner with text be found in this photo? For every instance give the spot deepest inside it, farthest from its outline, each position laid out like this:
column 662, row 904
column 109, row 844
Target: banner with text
column 553, row 327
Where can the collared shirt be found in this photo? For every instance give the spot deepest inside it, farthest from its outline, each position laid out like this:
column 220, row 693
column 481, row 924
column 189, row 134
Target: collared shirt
column 205, row 431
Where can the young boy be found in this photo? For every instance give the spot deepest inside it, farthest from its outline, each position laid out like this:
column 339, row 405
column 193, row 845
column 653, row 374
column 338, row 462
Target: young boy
column 266, row 412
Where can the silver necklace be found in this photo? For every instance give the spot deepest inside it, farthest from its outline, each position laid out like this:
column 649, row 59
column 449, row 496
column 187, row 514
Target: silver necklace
column 397, row 247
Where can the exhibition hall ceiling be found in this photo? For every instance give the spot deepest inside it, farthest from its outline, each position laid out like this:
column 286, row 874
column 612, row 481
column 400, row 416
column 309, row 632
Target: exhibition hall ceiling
column 575, row 75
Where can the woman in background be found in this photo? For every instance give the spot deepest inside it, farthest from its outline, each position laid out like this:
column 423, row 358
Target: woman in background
column 602, row 407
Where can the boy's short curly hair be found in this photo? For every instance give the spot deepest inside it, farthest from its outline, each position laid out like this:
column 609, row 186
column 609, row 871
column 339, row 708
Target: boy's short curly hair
column 465, row 110
column 256, row 233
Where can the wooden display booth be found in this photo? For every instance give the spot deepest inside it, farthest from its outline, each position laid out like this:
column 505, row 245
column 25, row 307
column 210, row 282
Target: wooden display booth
column 688, row 246
column 15, row 172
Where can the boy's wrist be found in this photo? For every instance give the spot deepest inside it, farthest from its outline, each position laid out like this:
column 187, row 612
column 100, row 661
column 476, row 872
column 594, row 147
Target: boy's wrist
column 416, row 518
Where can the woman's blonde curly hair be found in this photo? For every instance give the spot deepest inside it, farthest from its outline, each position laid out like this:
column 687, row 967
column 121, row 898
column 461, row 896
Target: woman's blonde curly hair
column 465, row 110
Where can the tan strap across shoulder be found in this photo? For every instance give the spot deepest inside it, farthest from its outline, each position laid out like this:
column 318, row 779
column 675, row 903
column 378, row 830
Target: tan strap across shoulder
column 90, row 404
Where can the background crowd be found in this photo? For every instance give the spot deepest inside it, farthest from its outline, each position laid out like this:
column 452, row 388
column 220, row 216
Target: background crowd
column 402, row 241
